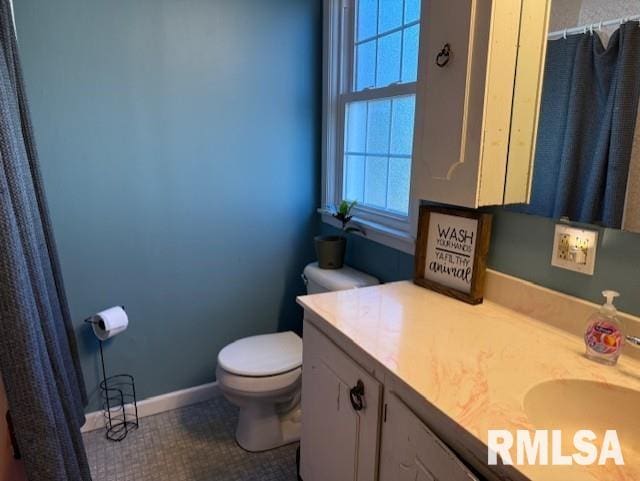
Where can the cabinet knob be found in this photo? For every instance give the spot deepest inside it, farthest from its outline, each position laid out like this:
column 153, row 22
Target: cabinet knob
column 443, row 56
column 357, row 396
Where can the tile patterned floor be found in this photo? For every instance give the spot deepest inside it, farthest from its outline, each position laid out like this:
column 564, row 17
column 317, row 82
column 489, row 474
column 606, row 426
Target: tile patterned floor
column 195, row 443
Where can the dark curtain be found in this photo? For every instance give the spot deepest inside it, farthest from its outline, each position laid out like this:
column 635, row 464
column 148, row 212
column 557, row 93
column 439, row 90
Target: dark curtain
column 38, row 354
column 587, row 121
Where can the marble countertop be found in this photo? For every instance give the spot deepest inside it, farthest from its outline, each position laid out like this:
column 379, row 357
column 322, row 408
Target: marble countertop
column 474, row 363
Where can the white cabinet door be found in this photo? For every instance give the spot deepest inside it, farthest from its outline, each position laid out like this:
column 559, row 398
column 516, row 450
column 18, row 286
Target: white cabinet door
column 411, row 452
column 526, row 99
column 443, row 170
column 339, row 442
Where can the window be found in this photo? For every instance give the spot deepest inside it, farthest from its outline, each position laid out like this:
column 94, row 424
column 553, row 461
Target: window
column 371, row 65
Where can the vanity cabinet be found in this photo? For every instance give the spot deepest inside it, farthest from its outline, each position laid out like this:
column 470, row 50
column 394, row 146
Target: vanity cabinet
column 479, row 89
column 344, row 416
column 411, row 452
column 340, row 414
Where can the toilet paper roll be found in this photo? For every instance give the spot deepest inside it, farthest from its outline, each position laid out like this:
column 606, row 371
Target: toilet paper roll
column 109, row 322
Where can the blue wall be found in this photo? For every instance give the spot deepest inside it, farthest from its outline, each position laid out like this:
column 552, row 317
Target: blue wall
column 179, row 143
column 521, row 246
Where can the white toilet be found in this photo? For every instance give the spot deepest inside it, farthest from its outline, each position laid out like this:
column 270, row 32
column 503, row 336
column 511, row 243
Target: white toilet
column 262, row 375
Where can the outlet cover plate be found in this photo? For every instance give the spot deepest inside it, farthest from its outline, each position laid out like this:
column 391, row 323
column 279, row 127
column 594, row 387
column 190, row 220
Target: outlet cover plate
column 574, row 249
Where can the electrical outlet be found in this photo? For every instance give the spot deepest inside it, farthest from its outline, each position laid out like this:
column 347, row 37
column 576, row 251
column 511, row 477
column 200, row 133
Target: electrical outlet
column 574, row 249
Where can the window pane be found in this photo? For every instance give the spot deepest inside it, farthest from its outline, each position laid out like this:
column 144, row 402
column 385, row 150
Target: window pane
column 356, row 127
column 410, row 54
column 388, row 65
column 398, row 187
column 375, row 188
column 367, row 18
column 354, row 178
column 390, row 15
column 378, row 148
column 411, row 10
column 365, row 65
column 378, row 136
column 378, row 125
column 402, row 125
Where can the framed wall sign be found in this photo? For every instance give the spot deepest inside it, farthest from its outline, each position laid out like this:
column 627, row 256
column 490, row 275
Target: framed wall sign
column 451, row 251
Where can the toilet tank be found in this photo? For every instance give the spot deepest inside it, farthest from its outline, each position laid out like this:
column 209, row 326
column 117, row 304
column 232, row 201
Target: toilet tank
column 325, row 280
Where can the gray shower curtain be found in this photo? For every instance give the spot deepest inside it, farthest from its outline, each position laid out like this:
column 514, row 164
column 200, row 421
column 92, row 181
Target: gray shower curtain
column 587, row 120
column 38, row 354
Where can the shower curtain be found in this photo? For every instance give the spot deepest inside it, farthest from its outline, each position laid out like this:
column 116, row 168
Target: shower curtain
column 38, row 354
column 587, row 122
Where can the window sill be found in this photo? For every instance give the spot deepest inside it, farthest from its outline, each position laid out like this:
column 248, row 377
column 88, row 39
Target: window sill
column 376, row 232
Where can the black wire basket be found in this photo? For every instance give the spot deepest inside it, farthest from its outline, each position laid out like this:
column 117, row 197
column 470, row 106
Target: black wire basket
column 119, row 405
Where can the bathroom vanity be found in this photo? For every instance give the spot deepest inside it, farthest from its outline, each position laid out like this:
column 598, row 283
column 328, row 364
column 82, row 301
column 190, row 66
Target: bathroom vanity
column 402, row 383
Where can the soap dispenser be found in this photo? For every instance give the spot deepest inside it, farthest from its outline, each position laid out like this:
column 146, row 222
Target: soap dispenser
column 603, row 337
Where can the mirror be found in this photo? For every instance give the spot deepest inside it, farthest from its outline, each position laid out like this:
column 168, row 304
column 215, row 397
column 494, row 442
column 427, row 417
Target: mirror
column 587, row 161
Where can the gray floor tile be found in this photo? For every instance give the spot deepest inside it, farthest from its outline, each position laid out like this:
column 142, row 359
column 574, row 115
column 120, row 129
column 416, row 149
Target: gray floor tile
column 195, row 443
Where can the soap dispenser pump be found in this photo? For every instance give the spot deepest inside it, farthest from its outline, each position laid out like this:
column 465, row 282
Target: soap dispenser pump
column 603, row 337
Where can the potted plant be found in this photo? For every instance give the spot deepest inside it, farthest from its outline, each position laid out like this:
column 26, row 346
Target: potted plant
column 330, row 248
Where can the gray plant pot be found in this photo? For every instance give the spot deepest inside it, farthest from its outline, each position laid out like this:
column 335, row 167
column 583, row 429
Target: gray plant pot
column 330, row 251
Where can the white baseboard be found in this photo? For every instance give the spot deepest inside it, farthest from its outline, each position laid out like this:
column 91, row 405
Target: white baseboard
column 160, row 404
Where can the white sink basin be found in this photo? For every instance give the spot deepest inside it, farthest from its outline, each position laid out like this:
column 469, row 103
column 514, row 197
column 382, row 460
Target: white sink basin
column 573, row 404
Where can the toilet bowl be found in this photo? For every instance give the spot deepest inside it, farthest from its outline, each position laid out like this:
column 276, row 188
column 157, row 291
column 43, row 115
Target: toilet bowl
column 261, row 375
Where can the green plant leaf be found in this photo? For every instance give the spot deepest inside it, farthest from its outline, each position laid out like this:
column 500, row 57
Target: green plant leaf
column 342, row 213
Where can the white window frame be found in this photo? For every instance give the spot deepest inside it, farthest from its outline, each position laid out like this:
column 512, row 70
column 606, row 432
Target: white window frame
column 388, row 228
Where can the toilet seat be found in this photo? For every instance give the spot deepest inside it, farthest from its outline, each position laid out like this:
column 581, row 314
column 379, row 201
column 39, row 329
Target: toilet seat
column 263, row 355
column 258, row 385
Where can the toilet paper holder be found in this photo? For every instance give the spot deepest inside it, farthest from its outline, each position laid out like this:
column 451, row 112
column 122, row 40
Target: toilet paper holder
column 119, row 403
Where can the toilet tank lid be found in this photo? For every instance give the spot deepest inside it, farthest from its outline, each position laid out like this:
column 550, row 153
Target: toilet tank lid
column 338, row 279
column 263, row 355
